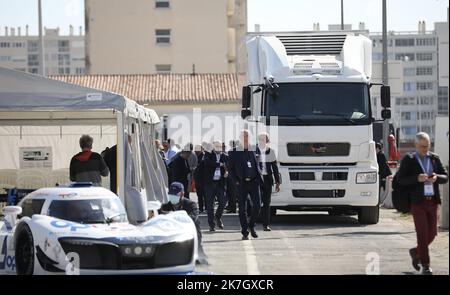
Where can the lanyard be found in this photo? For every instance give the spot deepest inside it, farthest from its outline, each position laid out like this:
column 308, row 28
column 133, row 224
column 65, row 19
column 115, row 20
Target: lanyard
column 426, row 169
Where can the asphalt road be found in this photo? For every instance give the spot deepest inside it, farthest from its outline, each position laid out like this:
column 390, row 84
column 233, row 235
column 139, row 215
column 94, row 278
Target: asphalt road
column 315, row 243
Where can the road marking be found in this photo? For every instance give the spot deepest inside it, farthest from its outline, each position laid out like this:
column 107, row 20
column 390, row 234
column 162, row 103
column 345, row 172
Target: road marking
column 250, row 257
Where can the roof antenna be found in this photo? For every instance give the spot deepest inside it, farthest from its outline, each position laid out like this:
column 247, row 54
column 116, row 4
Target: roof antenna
column 193, row 70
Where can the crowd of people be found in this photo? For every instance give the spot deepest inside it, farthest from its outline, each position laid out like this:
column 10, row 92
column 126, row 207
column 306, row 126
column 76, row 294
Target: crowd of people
column 242, row 176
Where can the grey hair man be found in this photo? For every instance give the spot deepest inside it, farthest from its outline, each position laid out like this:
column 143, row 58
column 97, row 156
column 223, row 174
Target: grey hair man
column 421, row 173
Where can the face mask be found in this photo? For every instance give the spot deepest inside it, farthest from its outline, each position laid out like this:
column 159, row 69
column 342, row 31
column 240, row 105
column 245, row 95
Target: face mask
column 174, row 199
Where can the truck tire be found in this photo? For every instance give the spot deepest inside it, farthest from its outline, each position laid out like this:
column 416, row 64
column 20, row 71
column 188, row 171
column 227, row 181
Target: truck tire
column 369, row 215
column 24, row 251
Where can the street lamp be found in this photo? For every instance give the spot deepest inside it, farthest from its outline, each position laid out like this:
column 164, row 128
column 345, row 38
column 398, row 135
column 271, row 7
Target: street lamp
column 342, row 15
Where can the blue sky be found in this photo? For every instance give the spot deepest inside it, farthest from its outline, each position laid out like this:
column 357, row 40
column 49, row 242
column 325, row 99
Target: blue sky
column 403, row 15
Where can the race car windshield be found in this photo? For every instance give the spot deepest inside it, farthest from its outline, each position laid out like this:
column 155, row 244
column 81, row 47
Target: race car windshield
column 105, row 210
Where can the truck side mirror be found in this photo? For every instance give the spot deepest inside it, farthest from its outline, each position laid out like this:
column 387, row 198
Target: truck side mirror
column 245, row 114
column 385, row 96
column 386, row 114
column 246, row 96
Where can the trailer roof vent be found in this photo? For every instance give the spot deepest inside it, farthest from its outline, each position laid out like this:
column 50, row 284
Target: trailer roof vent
column 303, row 68
column 312, row 44
column 331, row 68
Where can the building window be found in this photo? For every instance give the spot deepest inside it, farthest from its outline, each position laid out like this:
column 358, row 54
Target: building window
column 404, row 56
column 426, row 41
column 408, row 86
column 4, row 45
column 33, row 70
column 162, row 4
column 424, row 85
column 406, row 116
column 409, row 72
column 79, row 71
column 409, row 130
column 163, row 69
column 63, row 46
column 424, row 56
column 5, row 58
column 404, row 42
column 32, row 46
column 63, row 60
column 33, row 60
column 443, row 100
column 162, row 36
column 405, row 101
column 425, row 100
column 424, row 71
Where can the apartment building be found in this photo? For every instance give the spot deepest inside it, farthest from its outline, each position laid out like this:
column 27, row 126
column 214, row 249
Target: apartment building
column 63, row 54
column 165, row 36
column 423, row 97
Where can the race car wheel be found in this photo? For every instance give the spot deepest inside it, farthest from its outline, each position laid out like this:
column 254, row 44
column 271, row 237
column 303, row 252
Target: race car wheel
column 24, row 251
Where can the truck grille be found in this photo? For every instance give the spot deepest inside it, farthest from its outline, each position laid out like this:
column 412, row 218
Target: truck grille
column 326, row 176
column 318, row 149
column 336, row 193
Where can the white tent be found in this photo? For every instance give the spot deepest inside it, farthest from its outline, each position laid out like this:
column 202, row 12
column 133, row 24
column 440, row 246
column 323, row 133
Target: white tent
column 42, row 119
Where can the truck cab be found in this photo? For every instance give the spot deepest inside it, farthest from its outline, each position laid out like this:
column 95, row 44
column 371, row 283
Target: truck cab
column 314, row 90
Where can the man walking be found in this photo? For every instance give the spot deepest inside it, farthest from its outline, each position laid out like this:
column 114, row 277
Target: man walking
column 198, row 177
column 422, row 172
column 269, row 170
column 243, row 169
column 215, row 175
column 179, row 169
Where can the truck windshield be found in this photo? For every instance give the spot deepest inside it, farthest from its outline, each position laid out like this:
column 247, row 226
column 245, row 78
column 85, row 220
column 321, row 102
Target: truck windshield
column 319, row 104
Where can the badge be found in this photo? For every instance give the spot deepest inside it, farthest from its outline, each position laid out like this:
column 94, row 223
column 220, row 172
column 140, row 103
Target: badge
column 428, row 189
column 249, row 164
column 217, row 174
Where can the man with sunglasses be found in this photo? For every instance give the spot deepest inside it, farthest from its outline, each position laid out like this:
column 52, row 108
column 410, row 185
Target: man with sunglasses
column 422, row 172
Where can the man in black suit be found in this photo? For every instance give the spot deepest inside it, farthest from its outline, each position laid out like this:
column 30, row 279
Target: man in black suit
column 269, row 169
column 179, row 169
column 231, row 189
column 215, row 174
column 244, row 170
column 421, row 173
column 198, row 177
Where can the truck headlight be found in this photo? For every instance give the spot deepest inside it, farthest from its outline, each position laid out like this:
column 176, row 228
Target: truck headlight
column 366, row 177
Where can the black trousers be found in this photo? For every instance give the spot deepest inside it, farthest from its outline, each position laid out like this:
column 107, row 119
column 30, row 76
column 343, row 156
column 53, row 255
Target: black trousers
column 231, row 195
column 251, row 189
column 266, row 197
column 200, row 196
column 214, row 190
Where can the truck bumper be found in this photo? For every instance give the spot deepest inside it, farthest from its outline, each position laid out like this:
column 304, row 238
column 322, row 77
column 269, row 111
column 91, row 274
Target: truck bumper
column 345, row 193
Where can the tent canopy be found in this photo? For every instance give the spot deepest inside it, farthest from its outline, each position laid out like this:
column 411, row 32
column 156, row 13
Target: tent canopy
column 20, row 91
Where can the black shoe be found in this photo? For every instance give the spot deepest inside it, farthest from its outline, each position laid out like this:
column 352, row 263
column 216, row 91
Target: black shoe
column 267, row 228
column 415, row 259
column 219, row 223
column 426, row 270
column 211, row 229
column 244, row 238
column 253, row 233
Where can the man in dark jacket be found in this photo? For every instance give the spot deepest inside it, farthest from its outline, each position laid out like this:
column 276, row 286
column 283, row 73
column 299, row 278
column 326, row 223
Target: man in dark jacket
column 269, row 170
column 243, row 168
column 383, row 169
column 179, row 169
column 422, row 172
column 110, row 157
column 198, row 177
column 177, row 202
column 88, row 166
column 214, row 179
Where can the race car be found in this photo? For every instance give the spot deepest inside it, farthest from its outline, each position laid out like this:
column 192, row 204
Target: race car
column 82, row 229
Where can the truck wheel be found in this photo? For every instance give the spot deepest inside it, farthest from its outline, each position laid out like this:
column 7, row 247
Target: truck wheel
column 273, row 211
column 369, row 215
column 24, row 251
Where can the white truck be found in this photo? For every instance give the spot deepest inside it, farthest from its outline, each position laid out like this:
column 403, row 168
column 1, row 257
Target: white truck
column 317, row 87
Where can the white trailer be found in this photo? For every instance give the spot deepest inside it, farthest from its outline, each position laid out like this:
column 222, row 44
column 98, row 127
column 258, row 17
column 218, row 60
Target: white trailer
column 317, row 86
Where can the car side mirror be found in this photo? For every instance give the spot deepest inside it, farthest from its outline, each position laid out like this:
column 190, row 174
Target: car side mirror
column 11, row 213
column 385, row 96
column 246, row 97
